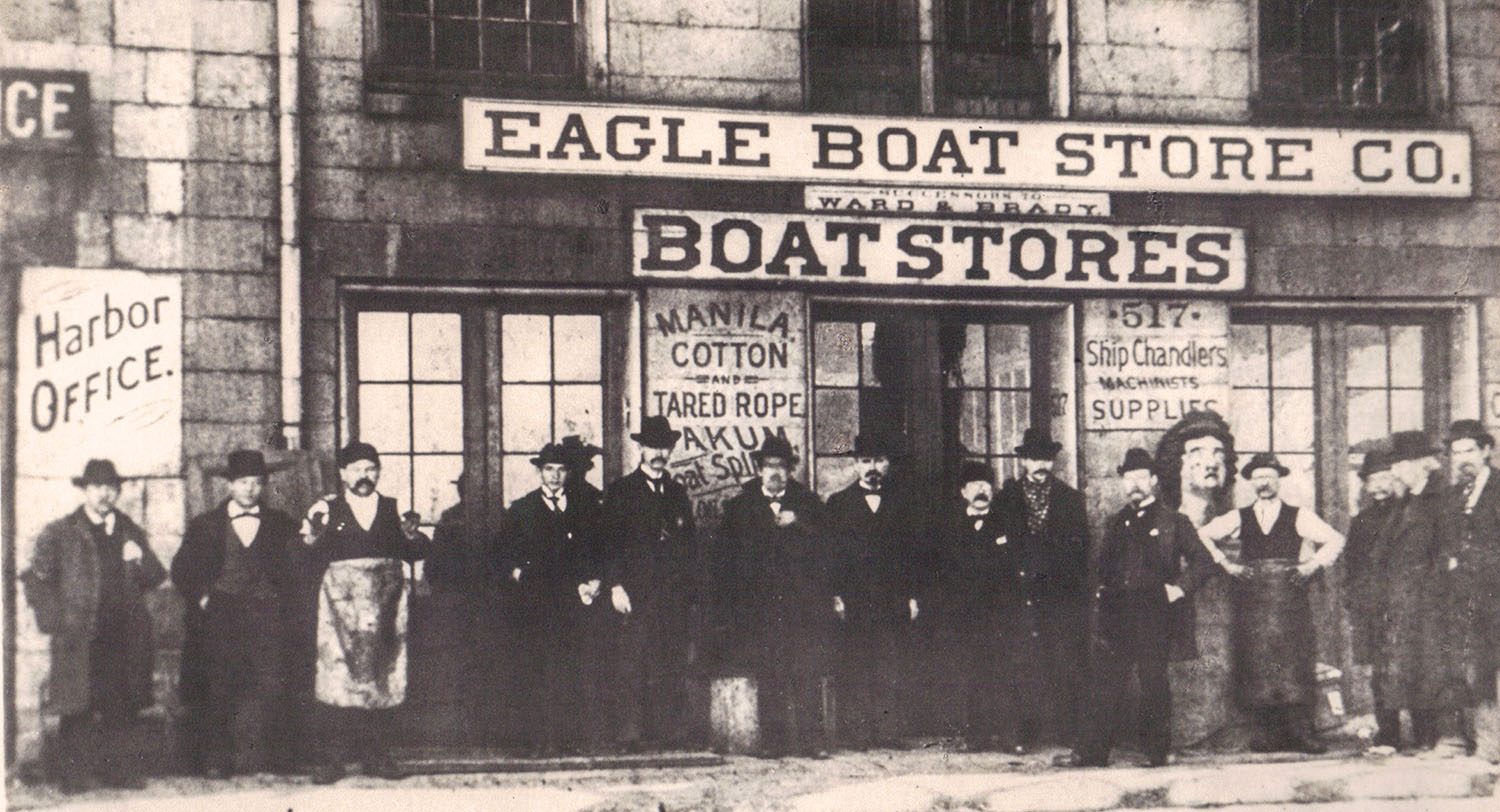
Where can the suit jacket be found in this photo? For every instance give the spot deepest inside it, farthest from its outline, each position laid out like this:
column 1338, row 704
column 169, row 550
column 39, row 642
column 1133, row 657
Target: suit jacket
column 62, row 585
column 1470, row 566
column 885, row 557
column 555, row 552
column 651, row 540
column 980, row 571
column 1058, row 555
column 1174, row 556
column 775, row 582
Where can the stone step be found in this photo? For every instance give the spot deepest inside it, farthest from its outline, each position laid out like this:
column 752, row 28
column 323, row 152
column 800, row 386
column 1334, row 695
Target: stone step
column 441, row 762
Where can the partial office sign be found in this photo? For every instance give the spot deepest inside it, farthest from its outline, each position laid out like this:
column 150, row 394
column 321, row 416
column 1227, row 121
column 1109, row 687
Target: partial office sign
column 43, row 109
column 680, row 142
column 950, row 200
column 1148, row 362
column 827, row 248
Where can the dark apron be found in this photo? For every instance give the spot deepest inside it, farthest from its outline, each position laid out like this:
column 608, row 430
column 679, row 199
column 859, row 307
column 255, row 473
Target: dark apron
column 1274, row 641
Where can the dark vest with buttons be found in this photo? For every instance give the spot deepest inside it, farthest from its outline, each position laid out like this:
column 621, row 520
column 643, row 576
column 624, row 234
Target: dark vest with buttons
column 242, row 574
column 1281, row 541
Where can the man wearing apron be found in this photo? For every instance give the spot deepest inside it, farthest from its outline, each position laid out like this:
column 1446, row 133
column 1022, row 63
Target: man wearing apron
column 362, row 610
column 1273, row 637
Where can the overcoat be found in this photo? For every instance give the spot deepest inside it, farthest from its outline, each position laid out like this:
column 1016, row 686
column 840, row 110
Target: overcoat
column 1176, row 557
column 1057, row 556
column 1410, row 661
column 1469, row 570
column 555, row 553
column 650, row 542
column 885, row 557
column 62, row 586
column 1364, row 581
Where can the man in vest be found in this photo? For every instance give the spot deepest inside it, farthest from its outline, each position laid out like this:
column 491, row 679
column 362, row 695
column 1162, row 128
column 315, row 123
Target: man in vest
column 232, row 572
column 363, row 546
column 1274, row 640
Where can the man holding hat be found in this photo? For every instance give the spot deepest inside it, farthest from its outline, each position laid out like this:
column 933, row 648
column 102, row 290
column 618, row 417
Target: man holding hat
column 877, row 523
column 777, row 578
column 1150, row 561
column 363, row 545
column 983, row 621
column 89, row 574
column 550, row 550
column 1471, row 566
column 1046, row 517
column 233, row 574
column 650, row 552
column 1274, row 640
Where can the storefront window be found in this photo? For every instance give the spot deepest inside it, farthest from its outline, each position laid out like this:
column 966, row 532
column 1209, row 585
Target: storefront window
column 1386, row 374
column 990, row 389
column 1273, row 409
column 551, row 386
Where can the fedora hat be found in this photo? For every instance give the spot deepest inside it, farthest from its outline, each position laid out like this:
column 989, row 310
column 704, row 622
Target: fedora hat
column 1471, row 430
column 656, row 432
column 1264, row 460
column 775, row 447
column 580, row 454
column 1375, row 461
column 975, row 471
column 552, row 453
column 877, row 445
column 1135, row 460
column 243, row 462
column 1411, row 445
column 1037, row 445
column 98, row 472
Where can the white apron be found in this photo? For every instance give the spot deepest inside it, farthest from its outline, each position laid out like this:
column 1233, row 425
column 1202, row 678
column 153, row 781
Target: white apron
column 362, row 609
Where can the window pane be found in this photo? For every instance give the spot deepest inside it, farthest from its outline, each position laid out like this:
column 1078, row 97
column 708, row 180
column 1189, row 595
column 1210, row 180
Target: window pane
column 525, row 348
column 552, row 50
column 518, row 477
column 525, row 417
column 1406, row 356
column 1250, row 418
column 455, row 8
column 382, row 346
column 1367, row 416
column 395, row 479
column 1247, row 355
column 833, row 474
column 580, row 411
column 438, row 417
column 433, row 490
column 837, row 420
column 555, row 10
column 1006, row 468
column 867, row 332
column 1292, row 420
column 456, row 44
column 1293, row 362
column 1300, row 486
column 971, row 358
column 406, row 6
column 1366, row 355
column 835, row 361
column 436, row 347
column 505, row 47
column 577, row 339
column 1406, row 410
column 972, row 435
column 385, row 417
column 1010, row 414
column 408, row 40
column 1010, row 355
column 509, row 9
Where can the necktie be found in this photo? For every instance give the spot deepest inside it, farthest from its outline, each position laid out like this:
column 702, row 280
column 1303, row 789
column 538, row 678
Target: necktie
column 551, row 501
column 1469, row 494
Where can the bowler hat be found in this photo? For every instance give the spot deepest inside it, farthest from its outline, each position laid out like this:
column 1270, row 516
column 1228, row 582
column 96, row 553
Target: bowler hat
column 551, row 453
column 580, row 454
column 1135, row 460
column 876, row 445
column 1472, row 430
column 1264, row 460
column 245, row 462
column 656, row 432
column 355, row 452
column 1037, row 445
column 98, row 472
column 975, row 471
column 775, row 446
column 1375, row 461
column 1411, row 445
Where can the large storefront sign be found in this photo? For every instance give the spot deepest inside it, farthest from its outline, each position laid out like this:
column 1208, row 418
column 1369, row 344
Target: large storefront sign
column 43, row 109
column 98, row 371
column 820, row 247
column 729, row 370
column 948, row 200
column 1147, row 362
column 679, row 142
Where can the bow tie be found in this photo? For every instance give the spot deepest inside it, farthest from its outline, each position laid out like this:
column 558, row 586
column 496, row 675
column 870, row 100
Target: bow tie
column 253, row 513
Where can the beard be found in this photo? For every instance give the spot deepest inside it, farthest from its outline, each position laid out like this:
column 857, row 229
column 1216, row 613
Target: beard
column 873, row 479
column 363, row 487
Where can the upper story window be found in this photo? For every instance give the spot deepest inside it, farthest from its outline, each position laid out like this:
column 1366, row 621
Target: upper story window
column 1343, row 56
column 474, row 43
column 951, row 57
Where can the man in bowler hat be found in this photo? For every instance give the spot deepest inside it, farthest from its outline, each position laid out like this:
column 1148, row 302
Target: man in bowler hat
column 878, row 523
column 87, row 581
column 1046, row 517
column 650, row 552
column 232, row 572
column 1471, row 568
column 1150, row 561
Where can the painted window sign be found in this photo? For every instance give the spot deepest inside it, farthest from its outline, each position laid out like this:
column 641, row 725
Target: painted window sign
column 827, row 248
column 602, row 139
column 43, row 109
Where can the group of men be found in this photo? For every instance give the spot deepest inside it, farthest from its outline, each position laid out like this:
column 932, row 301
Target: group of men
column 818, row 602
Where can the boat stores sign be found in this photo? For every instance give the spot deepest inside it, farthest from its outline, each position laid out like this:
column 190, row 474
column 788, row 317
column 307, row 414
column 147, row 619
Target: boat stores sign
column 678, row 142
column 824, row 247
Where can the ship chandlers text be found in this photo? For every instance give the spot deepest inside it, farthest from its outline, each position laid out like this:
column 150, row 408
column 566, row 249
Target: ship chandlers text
column 1104, row 353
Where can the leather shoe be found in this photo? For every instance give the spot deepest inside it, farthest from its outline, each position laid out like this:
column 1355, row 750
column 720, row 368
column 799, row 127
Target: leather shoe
column 1078, row 760
column 1310, row 745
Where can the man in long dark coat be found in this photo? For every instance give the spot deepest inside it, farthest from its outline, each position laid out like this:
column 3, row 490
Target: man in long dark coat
column 1275, row 644
column 1150, row 563
column 87, row 582
column 878, row 524
column 550, row 547
column 1471, row 569
column 986, row 628
column 232, row 572
column 651, row 545
column 1366, row 555
column 363, row 547
column 779, row 581
column 1047, row 518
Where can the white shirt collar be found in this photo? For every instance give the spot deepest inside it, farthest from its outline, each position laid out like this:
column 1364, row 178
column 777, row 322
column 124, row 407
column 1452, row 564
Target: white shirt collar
column 654, row 477
column 1145, row 503
column 233, row 509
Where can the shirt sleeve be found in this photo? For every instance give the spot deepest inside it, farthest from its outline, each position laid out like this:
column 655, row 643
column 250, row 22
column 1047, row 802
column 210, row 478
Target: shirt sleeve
column 1224, row 527
column 1327, row 542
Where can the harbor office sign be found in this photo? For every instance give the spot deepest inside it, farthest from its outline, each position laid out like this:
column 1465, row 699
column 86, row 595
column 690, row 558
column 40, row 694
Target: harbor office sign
column 824, row 247
column 99, row 371
column 681, row 142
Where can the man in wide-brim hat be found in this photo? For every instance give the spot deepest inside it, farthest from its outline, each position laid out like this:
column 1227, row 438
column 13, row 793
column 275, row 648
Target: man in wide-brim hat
column 86, row 582
column 1273, row 637
column 234, row 575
